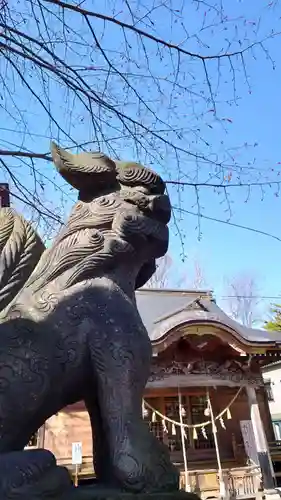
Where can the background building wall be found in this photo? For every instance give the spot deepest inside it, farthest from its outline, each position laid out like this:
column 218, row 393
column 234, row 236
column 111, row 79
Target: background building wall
column 66, row 427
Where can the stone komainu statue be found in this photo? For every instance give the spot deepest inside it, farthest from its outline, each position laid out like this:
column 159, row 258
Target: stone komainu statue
column 70, row 329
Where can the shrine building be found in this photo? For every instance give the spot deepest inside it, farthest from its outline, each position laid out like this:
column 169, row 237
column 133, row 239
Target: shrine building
column 205, row 398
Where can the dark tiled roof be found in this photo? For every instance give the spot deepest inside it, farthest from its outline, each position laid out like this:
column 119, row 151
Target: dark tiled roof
column 163, row 309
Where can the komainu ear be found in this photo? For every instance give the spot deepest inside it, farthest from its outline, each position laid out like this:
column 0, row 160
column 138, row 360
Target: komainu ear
column 84, row 171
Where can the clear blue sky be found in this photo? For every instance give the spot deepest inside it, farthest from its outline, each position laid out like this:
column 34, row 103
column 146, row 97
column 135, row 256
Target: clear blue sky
column 225, row 250
column 254, row 120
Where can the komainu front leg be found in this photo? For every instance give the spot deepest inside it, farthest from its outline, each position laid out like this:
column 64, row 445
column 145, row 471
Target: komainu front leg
column 100, row 440
column 121, row 364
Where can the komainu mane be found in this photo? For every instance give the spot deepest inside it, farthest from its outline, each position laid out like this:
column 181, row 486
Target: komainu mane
column 70, row 329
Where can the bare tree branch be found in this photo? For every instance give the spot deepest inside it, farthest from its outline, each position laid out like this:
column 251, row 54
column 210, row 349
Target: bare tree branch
column 167, row 276
column 40, row 156
column 165, row 43
column 121, row 81
column 161, row 277
column 243, row 303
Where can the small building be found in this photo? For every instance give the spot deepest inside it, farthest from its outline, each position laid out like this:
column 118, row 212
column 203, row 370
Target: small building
column 205, row 399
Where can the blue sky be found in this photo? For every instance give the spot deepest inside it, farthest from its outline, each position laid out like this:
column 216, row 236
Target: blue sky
column 247, row 131
column 227, row 250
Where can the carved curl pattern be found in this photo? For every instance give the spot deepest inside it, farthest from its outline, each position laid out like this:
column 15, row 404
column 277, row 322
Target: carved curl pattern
column 111, row 225
column 74, row 332
column 229, row 370
column 134, row 174
column 21, row 248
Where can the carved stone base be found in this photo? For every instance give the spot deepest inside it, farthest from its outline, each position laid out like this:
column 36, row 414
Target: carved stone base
column 86, row 493
column 34, row 475
column 99, row 493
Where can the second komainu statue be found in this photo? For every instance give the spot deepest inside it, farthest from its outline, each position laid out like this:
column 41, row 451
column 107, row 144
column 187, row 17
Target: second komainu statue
column 70, row 330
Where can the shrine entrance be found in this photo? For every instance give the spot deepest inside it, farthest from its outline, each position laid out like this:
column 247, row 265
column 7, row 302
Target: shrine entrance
column 199, row 402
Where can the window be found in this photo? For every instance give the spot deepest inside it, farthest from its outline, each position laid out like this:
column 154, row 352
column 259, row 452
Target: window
column 193, row 412
column 268, row 390
column 198, row 404
column 174, row 432
column 157, row 426
column 157, row 429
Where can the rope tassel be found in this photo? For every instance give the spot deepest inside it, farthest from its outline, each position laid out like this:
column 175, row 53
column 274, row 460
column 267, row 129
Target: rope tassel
column 201, row 426
column 222, row 423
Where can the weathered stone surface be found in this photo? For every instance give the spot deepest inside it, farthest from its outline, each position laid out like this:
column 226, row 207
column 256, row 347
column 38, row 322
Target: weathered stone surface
column 73, row 331
column 103, row 493
column 88, row 493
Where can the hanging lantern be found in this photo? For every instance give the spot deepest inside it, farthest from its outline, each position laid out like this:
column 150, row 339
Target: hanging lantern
column 204, row 434
column 144, row 410
column 183, row 412
column 228, row 414
column 164, row 426
column 195, row 435
column 174, row 432
column 222, row 423
column 153, row 417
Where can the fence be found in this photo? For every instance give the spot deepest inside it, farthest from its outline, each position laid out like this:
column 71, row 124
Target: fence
column 240, row 483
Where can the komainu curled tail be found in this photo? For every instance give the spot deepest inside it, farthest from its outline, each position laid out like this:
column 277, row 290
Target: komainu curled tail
column 20, row 251
column 30, row 473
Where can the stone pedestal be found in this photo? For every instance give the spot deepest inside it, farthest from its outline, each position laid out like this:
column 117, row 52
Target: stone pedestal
column 98, row 493
column 34, row 475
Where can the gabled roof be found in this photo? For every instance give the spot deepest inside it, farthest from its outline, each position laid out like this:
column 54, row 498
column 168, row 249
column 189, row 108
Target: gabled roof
column 163, row 311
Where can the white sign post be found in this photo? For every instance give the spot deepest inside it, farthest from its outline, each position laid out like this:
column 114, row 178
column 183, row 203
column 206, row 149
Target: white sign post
column 76, row 459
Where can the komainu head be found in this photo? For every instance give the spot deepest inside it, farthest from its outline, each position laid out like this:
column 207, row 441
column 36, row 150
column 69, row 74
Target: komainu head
column 122, row 213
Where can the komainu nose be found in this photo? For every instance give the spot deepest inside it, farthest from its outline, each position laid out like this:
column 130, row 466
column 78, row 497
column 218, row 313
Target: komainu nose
column 157, row 207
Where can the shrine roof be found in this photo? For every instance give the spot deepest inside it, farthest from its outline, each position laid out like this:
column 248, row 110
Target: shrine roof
column 272, row 365
column 163, row 310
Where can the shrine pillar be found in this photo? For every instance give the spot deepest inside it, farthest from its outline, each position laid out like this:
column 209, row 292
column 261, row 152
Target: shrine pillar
column 261, row 442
